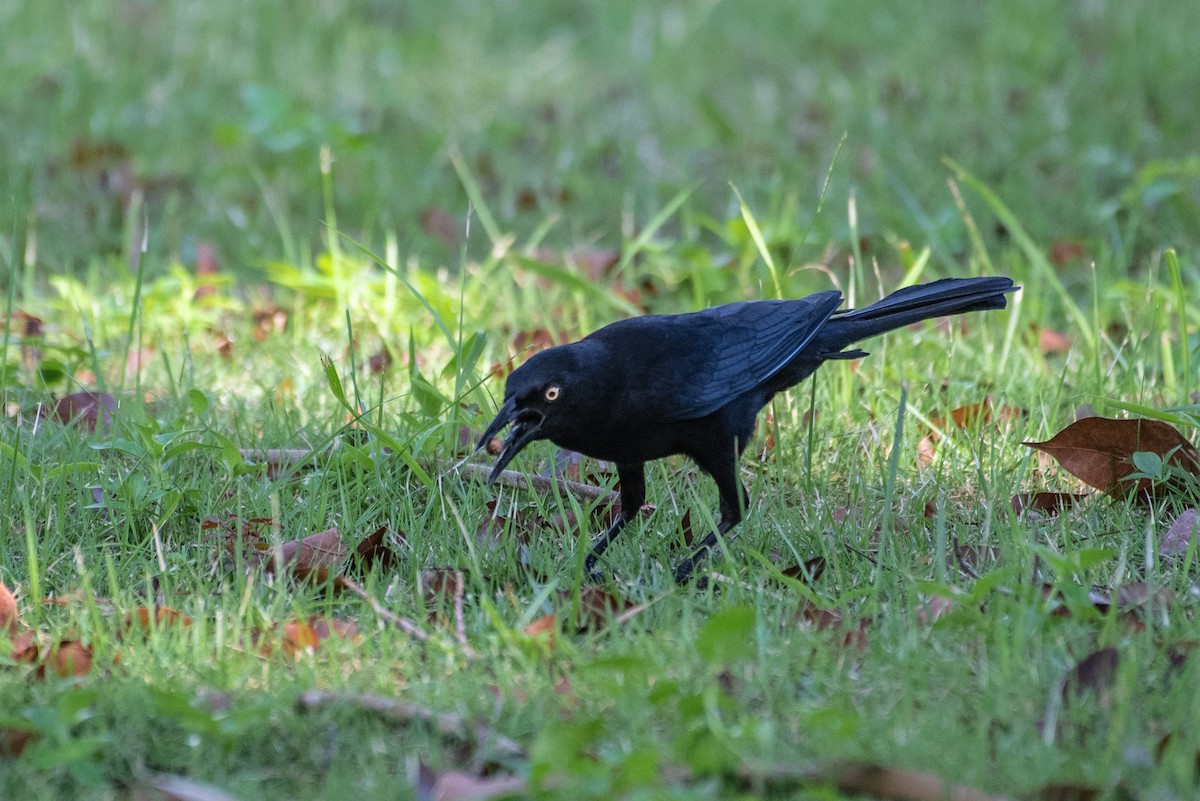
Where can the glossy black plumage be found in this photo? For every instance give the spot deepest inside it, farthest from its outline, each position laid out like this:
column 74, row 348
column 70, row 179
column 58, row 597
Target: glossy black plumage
column 654, row 386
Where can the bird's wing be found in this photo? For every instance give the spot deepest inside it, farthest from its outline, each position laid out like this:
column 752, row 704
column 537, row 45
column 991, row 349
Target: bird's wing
column 733, row 349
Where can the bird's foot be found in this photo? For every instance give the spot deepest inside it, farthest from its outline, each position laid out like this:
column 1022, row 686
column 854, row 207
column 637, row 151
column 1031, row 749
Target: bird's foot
column 683, row 571
column 594, row 574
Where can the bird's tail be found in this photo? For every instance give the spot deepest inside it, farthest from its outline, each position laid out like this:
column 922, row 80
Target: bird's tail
column 915, row 303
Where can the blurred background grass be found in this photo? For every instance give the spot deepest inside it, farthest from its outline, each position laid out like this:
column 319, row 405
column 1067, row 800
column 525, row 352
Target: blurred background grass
column 1081, row 116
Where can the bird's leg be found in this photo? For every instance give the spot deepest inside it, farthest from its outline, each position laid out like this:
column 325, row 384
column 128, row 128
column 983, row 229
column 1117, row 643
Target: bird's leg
column 734, row 499
column 632, row 481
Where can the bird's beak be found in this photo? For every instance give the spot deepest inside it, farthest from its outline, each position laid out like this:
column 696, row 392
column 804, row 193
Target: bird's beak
column 525, row 430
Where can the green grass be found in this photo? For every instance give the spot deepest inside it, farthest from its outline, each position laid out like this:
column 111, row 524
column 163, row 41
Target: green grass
column 627, row 126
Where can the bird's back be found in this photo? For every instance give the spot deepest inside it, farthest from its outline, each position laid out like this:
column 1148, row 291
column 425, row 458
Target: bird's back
column 693, row 364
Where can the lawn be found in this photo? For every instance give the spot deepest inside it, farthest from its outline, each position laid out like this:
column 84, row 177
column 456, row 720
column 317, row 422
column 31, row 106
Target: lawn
column 266, row 267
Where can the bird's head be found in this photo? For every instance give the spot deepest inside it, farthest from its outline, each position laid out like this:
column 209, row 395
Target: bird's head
column 538, row 400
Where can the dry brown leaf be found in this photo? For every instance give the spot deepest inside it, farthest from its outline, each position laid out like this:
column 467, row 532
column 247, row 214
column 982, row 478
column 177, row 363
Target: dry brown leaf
column 8, row 609
column 808, row 572
column 1066, row 792
column 441, row 224
column 971, row 558
column 14, row 741
column 1095, row 673
column 536, row 339
column 317, row 556
column 934, row 608
column 441, row 585
column 598, row 607
column 1179, row 534
column 975, row 414
column 376, row 550
column 831, row 620
column 1063, row 252
column 896, row 784
column 138, row 621
column 1048, row 503
column 379, row 361
column 305, row 636
column 206, row 265
column 66, row 659
column 1097, row 451
column 268, row 321
column 327, row 627
column 1053, row 341
column 24, row 647
column 298, row 638
column 87, row 409
column 543, row 628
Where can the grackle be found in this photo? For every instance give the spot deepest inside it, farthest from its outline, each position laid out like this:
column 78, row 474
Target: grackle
column 653, row 386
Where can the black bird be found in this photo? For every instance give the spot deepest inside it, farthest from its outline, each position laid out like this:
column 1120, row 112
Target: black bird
column 653, row 386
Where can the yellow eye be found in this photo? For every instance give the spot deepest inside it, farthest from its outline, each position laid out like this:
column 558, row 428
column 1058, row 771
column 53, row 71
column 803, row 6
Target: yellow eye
column 552, row 393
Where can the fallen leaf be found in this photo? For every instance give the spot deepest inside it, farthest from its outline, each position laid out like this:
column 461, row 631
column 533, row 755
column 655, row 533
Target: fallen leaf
column 536, row 339
column 934, row 608
column 441, row 585
column 1094, row 673
column 29, row 326
column 1179, row 535
column 823, row 619
column 1063, row 252
column 305, row 636
column 598, row 607
column 976, row 414
column 441, row 224
column 1048, row 503
column 375, row 550
column 138, row 621
column 66, row 659
column 1067, row 792
column 206, row 265
column 315, row 557
column 327, row 627
column 23, row 647
column 379, row 361
column 1097, row 451
column 8, row 609
column 527, row 199
column 969, row 558
column 881, row 781
column 543, row 628
column 13, row 741
column 1140, row 595
column 86, row 409
column 268, row 321
column 808, row 572
column 1053, row 341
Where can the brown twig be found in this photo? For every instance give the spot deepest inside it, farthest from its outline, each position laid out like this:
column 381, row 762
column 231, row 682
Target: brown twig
column 409, row 627
column 513, row 478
